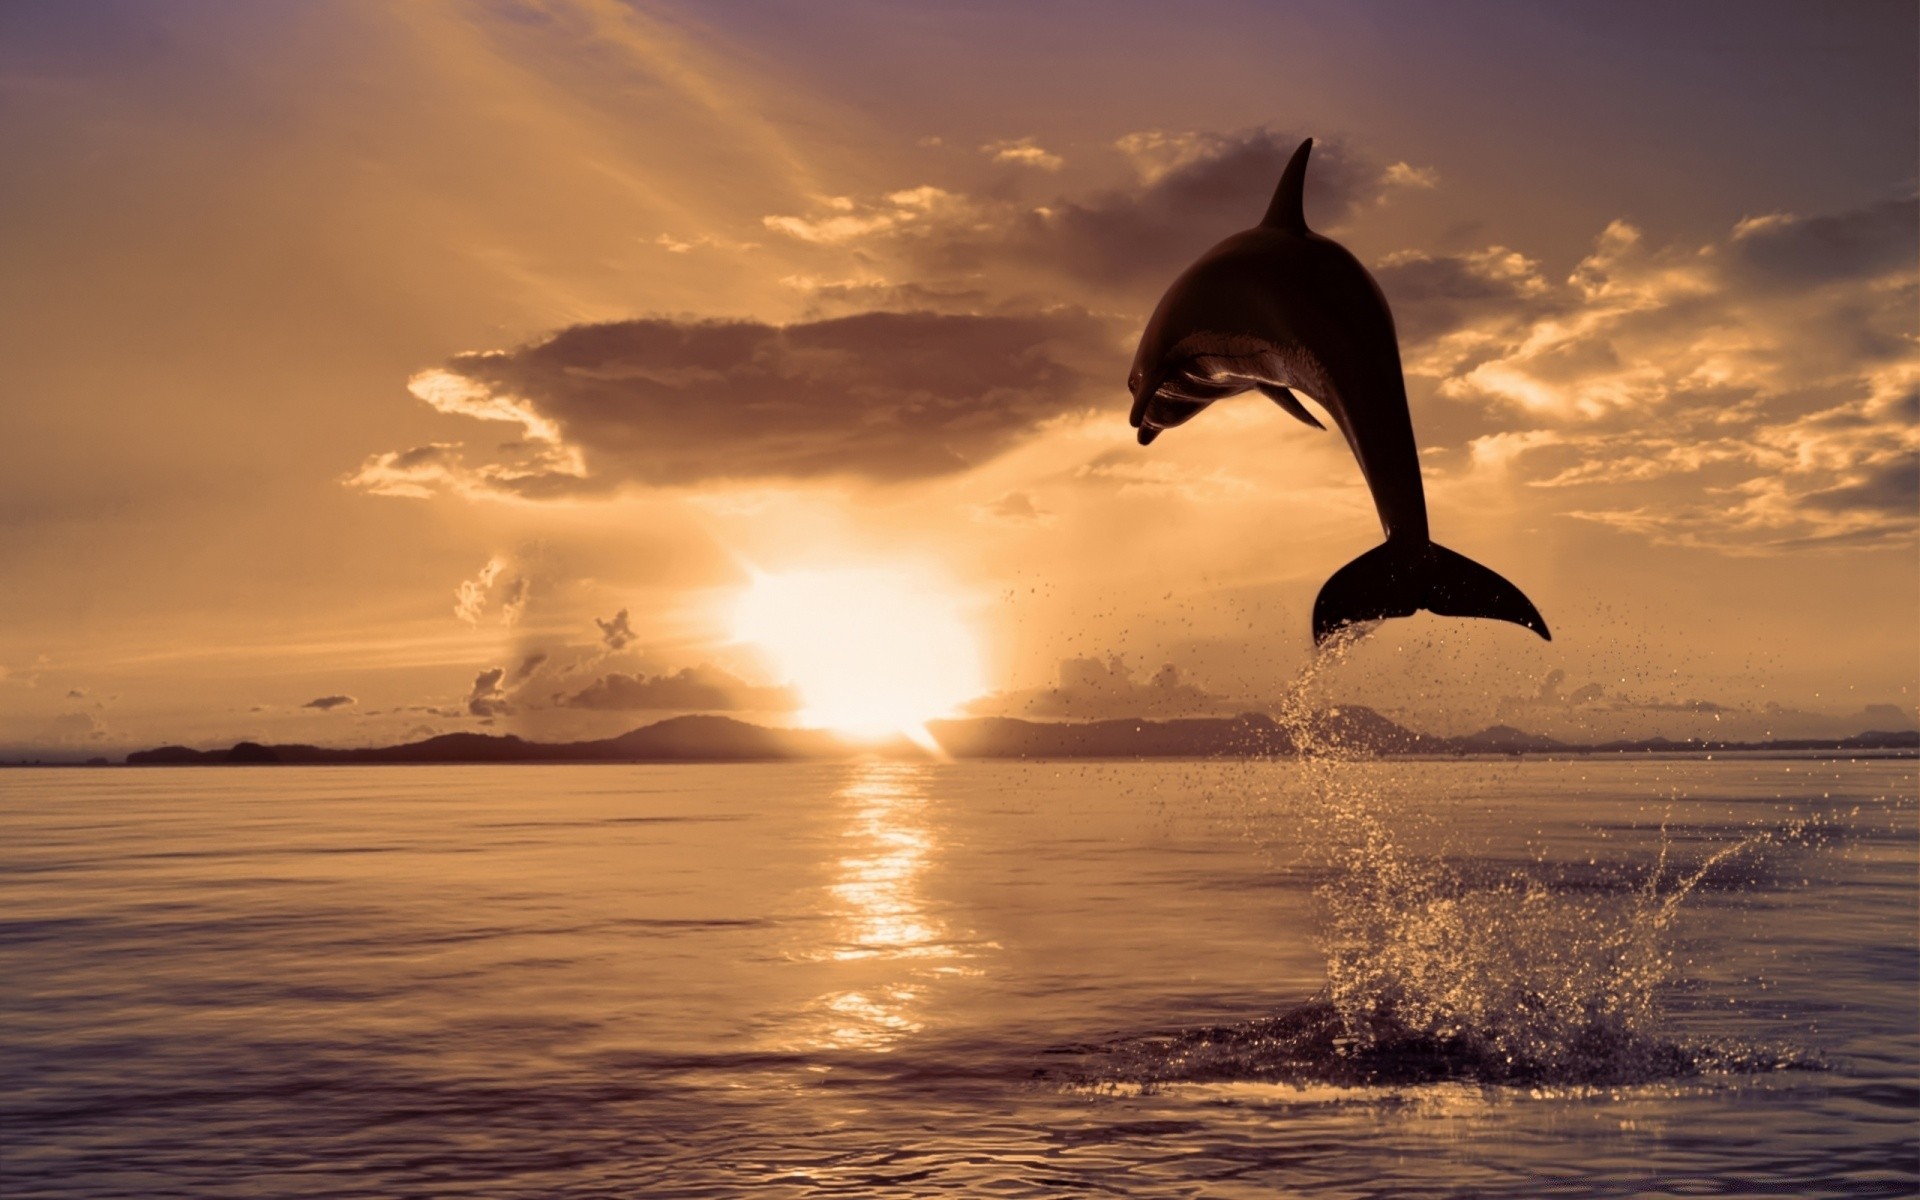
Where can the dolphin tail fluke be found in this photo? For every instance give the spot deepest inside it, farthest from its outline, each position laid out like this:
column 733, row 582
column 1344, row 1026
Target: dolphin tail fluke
column 1399, row 578
column 1457, row 586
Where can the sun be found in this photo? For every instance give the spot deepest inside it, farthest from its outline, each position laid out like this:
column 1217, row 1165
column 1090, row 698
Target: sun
column 872, row 652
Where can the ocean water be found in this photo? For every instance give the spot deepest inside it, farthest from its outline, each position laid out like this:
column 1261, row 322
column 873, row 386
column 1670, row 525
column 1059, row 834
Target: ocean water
column 1606, row 977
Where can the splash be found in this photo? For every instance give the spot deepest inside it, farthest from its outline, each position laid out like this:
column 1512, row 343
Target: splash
column 1522, row 982
column 1434, row 974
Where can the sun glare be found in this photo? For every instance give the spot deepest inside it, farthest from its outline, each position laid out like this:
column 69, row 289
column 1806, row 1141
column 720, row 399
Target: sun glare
column 872, row 652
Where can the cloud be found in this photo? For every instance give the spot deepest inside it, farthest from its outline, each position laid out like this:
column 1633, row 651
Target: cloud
column 946, row 361
column 1844, row 476
column 674, row 245
column 1023, row 152
column 1098, row 689
column 844, row 297
column 487, row 698
column 1216, row 185
column 1407, row 175
column 693, row 689
column 1130, row 474
column 1753, row 395
column 73, row 728
column 1889, row 486
column 1781, row 303
column 1551, row 700
column 908, row 211
column 1593, row 712
column 329, row 703
column 884, row 396
column 1188, row 191
column 513, row 601
column 615, row 633
column 415, row 474
column 1477, row 297
column 527, row 668
column 472, row 598
column 1013, row 508
column 1783, row 250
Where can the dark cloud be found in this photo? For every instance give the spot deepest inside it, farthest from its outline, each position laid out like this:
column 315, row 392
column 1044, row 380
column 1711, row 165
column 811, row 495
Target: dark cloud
column 1212, row 185
column 487, row 698
column 693, row 689
column 933, row 379
column 1189, row 190
column 847, row 297
column 528, row 665
column 1786, row 251
column 884, row 396
column 1890, row 487
column 329, row 703
column 1434, row 295
column 615, row 633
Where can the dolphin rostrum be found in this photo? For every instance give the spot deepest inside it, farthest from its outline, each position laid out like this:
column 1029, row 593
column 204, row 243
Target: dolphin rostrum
column 1278, row 307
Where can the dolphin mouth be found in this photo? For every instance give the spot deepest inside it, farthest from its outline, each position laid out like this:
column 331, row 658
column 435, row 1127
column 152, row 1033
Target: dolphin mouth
column 1163, row 411
column 1175, row 396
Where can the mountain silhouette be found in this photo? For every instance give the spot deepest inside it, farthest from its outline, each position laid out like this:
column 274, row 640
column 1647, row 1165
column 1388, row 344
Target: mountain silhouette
column 1347, row 729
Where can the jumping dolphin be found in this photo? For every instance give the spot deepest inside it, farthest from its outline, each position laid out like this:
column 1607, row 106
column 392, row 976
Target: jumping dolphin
column 1278, row 307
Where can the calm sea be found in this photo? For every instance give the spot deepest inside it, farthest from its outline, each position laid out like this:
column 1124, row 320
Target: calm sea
column 1535, row 978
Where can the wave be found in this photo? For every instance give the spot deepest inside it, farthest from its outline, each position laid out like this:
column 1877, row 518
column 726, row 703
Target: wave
column 1317, row 1044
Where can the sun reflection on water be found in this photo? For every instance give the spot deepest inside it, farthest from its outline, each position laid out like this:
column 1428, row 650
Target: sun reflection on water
column 884, row 914
column 885, row 932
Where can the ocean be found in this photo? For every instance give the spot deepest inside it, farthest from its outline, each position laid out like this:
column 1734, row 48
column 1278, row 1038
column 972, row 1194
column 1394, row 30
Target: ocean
column 1633, row 976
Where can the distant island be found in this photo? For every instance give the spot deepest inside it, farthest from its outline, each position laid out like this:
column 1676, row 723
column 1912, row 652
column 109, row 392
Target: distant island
column 711, row 739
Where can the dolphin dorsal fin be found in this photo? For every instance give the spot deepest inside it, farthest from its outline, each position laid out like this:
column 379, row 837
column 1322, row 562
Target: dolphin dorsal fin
column 1286, row 212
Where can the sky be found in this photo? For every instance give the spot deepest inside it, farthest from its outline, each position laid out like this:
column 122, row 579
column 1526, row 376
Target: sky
column 373, row 371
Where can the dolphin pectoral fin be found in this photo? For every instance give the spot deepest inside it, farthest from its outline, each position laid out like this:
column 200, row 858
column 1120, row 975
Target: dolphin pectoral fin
column 1286, row 400
column 1148, row 433
column 1399, row 578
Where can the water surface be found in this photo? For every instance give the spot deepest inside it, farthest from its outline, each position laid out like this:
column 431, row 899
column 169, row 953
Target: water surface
column 962, row 979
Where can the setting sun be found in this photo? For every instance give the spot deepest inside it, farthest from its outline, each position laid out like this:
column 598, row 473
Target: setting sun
column 872, row 652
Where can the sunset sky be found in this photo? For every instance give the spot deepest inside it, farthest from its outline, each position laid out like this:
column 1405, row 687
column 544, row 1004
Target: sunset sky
column 375, row 370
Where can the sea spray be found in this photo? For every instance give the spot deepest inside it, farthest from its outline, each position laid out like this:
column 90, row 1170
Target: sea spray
column 1437, row 973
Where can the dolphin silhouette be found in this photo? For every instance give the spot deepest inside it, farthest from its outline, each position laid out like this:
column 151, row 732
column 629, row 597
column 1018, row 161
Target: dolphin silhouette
column 1278, row 307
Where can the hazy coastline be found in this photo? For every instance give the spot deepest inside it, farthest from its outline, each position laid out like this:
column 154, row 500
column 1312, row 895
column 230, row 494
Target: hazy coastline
column 714, row 739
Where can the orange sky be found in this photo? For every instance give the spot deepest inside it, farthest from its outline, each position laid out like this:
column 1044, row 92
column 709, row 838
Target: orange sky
column 363, row 361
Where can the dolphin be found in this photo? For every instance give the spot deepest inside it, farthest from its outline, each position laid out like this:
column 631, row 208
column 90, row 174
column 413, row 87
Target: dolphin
column 1279, row 307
